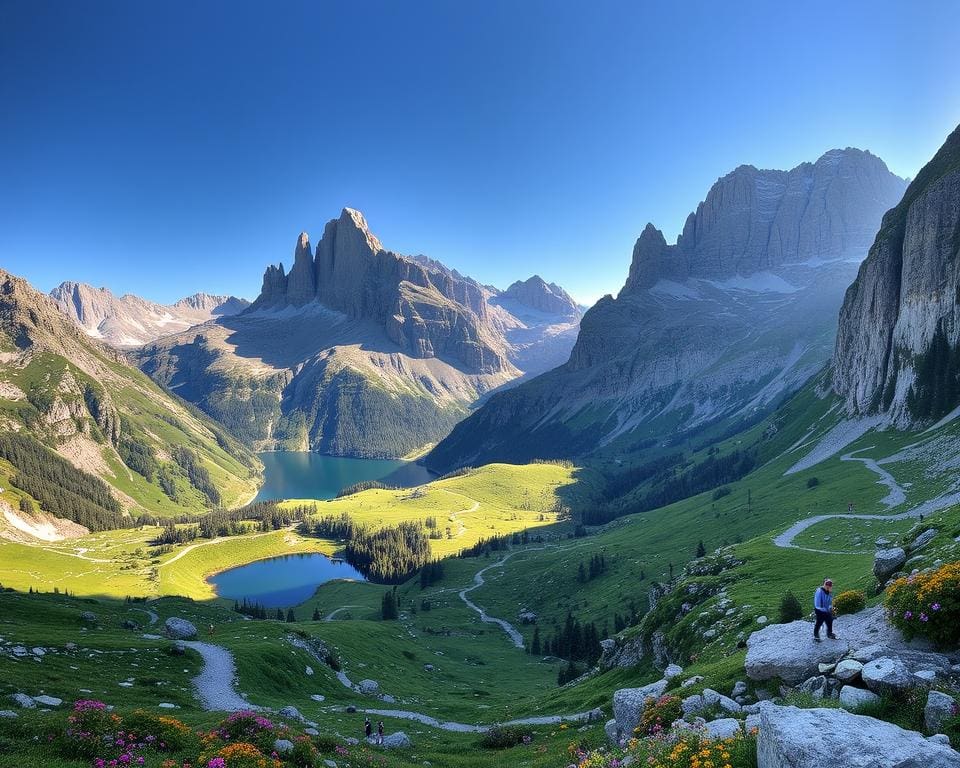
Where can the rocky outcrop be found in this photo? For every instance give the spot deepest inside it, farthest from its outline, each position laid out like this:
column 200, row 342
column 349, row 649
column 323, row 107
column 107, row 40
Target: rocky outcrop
column 795, row 738
column 130, row 321
column 179, row 629
column 886, row 562
column 628, row 705
column 710, row 330
column 899, row 335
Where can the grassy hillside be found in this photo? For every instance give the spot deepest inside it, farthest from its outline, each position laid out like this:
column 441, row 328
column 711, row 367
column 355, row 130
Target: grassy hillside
column 63, row 391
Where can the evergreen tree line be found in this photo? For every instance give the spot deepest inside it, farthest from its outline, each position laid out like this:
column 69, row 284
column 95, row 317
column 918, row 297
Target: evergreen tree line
column 62, row 489
column 364, row 485
column 712, row 472
column 486, row 546
column 263, row 516
column 598, row 564
column 573, row 641
column 197, row 474
column 390, row 605
column 431, row 573
column 256, row 610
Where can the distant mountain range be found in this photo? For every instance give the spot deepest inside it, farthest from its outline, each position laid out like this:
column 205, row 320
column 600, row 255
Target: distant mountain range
column 707, row 333
column 126, row 447
column 129, row 321
column 361, row 351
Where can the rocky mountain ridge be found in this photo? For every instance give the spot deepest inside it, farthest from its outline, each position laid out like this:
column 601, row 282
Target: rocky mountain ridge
column 358, row 350
column 898, row 345
column 712, row 330
column 131, row 321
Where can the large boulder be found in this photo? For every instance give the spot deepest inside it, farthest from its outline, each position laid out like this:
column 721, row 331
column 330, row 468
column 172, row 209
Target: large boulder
column 23, row 701
column 940, row 707
column 797, row 738
column 724, row 728
column 179, row 629
column 789, row 652
column 398, row 740
column 886, row 562
column 887, row 675
column 368, row 687
column 628, row 704
column 848, row 670
column 923, row 539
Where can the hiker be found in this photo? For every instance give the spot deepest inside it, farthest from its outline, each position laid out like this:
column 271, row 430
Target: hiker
column 367, row 727
column 823, row 607
column 380, row 733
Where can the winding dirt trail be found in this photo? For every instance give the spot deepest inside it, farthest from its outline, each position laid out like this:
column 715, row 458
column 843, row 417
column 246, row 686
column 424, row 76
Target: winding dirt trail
column 214, row 684
column 478, row 581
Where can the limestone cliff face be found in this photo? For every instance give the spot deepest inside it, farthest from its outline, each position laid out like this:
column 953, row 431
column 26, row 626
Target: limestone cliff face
column 898, row 344
column 426, row 312
column 710, row 331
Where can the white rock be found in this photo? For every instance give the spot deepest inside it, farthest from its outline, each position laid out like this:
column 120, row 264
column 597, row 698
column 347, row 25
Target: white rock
column 283, row 746
column 939, row 708
column 48, row 701
column 179, row 629
column 792, row 737
column 853, row 698
column 610, row 728
column 886, row 675
column 628, row 704
column 23, row 701
column 923, row 539
column 672, row 671
column 398, row 740
column 723, row 728
column 847, row 670
column 695, row 680
column 309, row 671
column 762, row 619
column 788, row 651
column 887, row 561
column 368, row 686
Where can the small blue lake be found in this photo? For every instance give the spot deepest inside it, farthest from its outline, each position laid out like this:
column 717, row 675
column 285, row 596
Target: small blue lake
column 306, row 475
column 281, row 581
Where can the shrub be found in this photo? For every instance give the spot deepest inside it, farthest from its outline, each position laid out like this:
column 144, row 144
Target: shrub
column 326, row 743
column 504, row 737
column 851, row 601
column 721, row 492
column 687, row 750
column 813, row 482
column 658, row 714
column 247, row 726
column 927, row 605
column 165, row 734
column 304, row 754
column 237, row 755
column 790, row 608
column 88, row 727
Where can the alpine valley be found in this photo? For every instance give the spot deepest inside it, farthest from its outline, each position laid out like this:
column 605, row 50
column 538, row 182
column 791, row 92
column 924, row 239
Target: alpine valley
column 616, row 567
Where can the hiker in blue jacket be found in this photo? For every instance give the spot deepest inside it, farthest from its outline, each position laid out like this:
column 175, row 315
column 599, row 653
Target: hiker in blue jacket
column 823, row 607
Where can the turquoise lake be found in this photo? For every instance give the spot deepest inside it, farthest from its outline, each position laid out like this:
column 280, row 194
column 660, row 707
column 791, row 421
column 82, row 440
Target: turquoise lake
column 281, row 581
column 305, row 475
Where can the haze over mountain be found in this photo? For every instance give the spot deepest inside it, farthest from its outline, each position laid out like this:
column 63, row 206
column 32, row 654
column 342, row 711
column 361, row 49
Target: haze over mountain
column 131, row 321
column 358, row 350
column 60, row 388
column 710, row 331
column 898, row 346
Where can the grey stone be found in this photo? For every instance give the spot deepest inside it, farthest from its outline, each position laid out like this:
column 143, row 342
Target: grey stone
column 923, row 539
column 886, row 675
column 23, row 701
column 887, row 562
column 672, row 671
column 751, row 721
column 939, row 738
column 739, row 689
column 368, row 687
column 724, row 728
column 853, row 698
column 292, row 713
column 788, row 651
column 695, row 680
column 940, row 707
column 8, row 713
column 48, row 701
column 398, row 740
column 283, row 746
column 848, row 670
column 628, row 704
column 610, row 728
column 179, row 629
column 793, row 738
column 88, row 617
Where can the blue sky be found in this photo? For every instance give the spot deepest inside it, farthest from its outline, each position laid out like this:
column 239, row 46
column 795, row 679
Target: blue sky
column 162, row 148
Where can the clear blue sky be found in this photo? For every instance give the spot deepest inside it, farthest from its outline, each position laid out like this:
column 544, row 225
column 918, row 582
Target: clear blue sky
column 167, row 147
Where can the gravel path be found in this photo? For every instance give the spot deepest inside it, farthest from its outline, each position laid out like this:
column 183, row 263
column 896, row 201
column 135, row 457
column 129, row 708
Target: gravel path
column 580, row 717
column 332, row 615
column 515, row 636
column 152, row 616
column 897, row 495
column 214, row 684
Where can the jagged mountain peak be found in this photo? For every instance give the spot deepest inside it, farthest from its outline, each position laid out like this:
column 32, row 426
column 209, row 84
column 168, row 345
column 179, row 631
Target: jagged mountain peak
column 537, row 293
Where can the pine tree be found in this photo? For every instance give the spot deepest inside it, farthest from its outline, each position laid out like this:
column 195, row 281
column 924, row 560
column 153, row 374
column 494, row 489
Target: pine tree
column 290, row 617
column 701, row 550
column 279, row 614
column 316, row 614
column 581, row 575
column 388, row 607
column 535, row 643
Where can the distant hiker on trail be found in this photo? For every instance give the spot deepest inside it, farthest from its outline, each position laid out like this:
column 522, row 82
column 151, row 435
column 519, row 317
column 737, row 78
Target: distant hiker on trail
column 823, row 607
column 380, row 733
column 849, row 507
column 367, row 727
